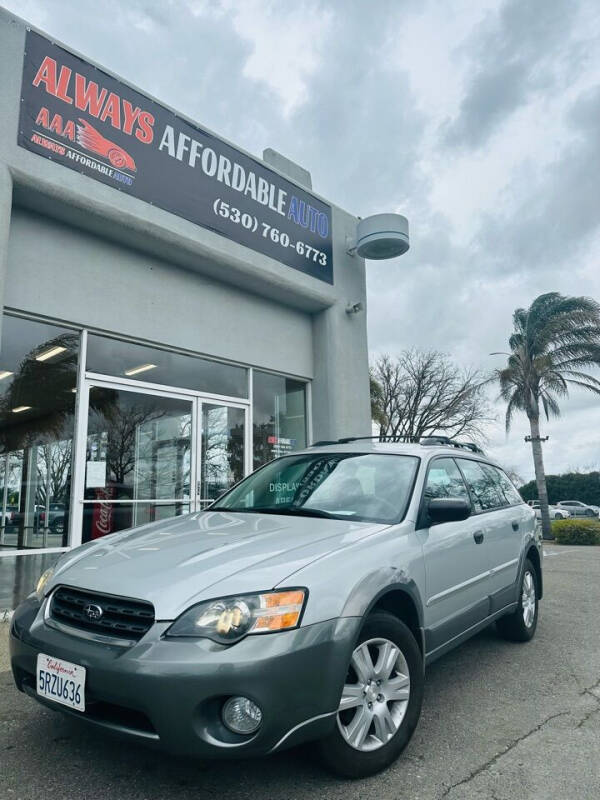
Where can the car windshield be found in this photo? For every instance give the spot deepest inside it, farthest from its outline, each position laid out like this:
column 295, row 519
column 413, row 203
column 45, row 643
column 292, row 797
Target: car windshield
column 366, row 487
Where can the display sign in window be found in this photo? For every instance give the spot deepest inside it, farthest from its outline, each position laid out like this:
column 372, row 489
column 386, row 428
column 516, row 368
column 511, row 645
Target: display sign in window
column 279, row 416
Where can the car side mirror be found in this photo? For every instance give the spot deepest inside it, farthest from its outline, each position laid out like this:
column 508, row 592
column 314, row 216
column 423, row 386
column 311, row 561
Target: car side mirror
column 448, row 509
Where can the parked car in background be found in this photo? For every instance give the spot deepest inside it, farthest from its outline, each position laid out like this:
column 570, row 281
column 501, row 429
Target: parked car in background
column 7, row 516
column 554, row 511
column 55, row 522
column 56, row 518
column 577, row 509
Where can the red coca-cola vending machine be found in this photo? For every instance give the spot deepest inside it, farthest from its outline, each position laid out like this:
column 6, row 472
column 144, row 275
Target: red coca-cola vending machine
column 103, row 512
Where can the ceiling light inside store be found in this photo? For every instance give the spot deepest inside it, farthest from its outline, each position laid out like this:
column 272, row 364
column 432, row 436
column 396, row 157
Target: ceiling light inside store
column 4, row 374
column 53, row 351
column 141, row 368
column 18, row 409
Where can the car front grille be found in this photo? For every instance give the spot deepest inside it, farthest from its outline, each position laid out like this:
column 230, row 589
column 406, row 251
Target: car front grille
column 101, row 613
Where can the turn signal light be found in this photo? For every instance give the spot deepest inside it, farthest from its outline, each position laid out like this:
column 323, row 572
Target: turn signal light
column 280, row 610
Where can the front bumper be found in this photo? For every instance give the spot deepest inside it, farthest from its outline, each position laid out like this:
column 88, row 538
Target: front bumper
column 170, row 693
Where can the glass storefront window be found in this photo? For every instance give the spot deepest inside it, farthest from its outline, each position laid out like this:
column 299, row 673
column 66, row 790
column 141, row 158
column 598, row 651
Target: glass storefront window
column 103, row 517
column 138, row 448
column 149, row 455
column 107, row 356
column 38, row 384
column 222, row 456
column 279, row 407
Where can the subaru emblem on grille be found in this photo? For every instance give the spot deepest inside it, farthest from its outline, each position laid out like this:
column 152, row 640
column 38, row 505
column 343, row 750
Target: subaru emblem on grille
column 93, row 612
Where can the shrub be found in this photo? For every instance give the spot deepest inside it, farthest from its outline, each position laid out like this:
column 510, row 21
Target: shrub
column 576, row 531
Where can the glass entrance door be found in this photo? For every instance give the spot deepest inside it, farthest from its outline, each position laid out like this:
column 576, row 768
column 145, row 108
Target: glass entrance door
column 223, row 449
column 149, row 455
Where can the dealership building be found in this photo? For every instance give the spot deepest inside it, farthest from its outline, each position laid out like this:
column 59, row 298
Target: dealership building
column 176, row 311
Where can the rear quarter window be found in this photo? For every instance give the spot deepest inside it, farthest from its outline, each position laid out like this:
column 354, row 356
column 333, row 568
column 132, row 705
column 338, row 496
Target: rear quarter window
column 483, row 485
column 510, row 492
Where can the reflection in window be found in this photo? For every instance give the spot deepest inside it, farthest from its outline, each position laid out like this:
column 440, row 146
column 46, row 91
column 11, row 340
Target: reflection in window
column 103, row 516
column 38, row 381
column 493, row 487
column 138, row 448
column 222, row 456
column 510, row 492
column 358, row 486
column 142, row 363
column 444, row 480
column 481, row 481
column 279, row 406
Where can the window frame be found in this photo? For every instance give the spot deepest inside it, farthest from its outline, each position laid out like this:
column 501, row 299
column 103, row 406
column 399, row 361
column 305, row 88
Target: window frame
column 73, row 533
column 520, row 501
column 423, row 520
column 474, row 512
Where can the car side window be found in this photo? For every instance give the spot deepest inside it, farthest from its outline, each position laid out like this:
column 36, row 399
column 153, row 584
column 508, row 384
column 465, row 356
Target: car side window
column 510, row 492
column 482, row 484
column 494, row 477
column 444, row 480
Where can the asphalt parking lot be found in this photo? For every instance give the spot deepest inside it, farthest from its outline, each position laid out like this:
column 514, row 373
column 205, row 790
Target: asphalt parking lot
column 499, row 721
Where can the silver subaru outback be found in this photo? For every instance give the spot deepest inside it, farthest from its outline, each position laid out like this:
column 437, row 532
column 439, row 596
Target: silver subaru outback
column 304, row 604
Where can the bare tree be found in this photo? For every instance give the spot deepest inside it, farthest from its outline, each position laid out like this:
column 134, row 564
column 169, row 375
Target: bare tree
column 515, row 476
column 424, row 392
column 53, row 466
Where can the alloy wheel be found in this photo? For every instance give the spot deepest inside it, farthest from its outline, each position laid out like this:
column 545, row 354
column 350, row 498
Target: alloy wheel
column 528, row 599
column 375, row 696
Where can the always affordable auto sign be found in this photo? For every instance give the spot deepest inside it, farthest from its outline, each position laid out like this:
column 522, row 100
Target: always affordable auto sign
column 81, row 117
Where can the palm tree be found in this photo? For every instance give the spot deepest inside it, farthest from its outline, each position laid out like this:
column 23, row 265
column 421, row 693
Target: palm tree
column 554, row 342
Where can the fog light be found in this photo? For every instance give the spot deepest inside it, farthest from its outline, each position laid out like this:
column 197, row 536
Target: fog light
column 241, row 715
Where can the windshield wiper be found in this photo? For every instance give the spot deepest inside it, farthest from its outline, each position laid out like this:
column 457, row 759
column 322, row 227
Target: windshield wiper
column 292, row 511
column 300, row 511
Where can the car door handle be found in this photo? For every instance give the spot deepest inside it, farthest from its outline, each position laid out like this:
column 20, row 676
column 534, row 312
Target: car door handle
column 515, row 524
column 478, row 536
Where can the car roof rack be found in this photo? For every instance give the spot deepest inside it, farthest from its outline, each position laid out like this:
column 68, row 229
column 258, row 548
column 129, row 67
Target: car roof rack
column 424, row 441
column 432, row 441
column 381, row 438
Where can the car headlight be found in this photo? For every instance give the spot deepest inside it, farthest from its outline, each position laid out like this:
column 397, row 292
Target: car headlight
column 41, row 584
column 229, row 619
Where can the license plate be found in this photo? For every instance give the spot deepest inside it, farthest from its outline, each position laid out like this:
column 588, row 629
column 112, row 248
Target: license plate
column 61, row 681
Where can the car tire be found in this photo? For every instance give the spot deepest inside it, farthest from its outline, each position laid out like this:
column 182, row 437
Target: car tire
column 520, row 626
column 383, row 638
column 58, row 526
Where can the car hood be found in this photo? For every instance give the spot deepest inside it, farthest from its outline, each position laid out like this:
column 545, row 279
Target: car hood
column 182, row 561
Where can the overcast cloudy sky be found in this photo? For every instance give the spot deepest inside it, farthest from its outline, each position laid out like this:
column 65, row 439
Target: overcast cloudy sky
column 480, row 121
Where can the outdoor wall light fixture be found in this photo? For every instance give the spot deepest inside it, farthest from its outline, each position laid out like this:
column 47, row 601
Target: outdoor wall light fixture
column 354, row 308
column 379, row 237
column 141, row 368
column 53, row 351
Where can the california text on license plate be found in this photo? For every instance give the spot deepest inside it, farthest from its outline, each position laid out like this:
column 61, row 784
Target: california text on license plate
column 61, row 681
